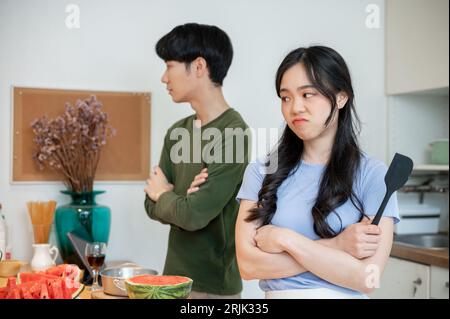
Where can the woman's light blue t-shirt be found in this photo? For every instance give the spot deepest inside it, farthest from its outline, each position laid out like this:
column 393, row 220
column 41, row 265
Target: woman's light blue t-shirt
column 296, row 197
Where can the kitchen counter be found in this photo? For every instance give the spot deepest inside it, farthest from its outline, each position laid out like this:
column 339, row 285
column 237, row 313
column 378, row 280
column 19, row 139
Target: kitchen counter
column 426, row 256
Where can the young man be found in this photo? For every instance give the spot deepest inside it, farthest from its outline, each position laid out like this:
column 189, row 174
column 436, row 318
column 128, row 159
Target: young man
column 195, row 186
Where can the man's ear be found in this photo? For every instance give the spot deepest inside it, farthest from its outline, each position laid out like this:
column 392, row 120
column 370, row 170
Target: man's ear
column 200, row 66
column 341, row 99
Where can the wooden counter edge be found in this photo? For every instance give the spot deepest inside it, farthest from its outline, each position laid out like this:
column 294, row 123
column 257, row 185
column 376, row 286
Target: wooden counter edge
column 431, row 257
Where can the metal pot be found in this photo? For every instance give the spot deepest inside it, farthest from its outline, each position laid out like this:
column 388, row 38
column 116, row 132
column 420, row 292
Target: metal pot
column 113, row 279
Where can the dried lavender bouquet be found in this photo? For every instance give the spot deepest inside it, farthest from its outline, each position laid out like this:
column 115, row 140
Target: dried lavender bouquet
column 71, row 143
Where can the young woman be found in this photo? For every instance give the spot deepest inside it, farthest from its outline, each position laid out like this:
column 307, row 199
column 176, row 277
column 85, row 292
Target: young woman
column 304, row 230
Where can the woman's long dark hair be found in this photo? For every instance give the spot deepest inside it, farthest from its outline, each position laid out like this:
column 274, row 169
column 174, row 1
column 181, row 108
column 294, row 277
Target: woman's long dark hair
column 328, row 72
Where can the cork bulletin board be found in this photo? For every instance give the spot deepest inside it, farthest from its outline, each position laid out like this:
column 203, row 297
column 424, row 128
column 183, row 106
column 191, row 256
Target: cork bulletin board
column 126, row 156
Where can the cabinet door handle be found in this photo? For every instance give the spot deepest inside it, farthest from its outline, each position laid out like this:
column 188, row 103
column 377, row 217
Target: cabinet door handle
column 446, row 284
column 416, row 283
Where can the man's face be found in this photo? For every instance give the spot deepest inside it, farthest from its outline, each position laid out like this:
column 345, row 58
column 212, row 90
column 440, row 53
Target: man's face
column 179, row 81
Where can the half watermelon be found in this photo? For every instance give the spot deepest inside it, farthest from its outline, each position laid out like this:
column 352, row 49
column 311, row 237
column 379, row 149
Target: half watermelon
column 158, row 287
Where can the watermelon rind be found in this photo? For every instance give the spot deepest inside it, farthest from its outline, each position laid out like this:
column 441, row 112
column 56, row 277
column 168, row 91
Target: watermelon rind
column 77, row 293
column 148, row 291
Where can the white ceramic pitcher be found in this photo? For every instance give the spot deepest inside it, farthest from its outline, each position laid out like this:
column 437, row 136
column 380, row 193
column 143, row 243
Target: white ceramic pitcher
column 44, row 257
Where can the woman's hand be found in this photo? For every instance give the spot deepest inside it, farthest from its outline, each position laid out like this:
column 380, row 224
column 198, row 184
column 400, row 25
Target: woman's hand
column 269, row 238
column 361, row 240
column 198, row 180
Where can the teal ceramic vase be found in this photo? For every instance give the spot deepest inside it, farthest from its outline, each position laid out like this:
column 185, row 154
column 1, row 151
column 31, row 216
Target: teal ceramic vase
column 84, row 218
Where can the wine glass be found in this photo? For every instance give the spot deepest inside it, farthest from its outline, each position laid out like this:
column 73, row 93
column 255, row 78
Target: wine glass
column 95, row 255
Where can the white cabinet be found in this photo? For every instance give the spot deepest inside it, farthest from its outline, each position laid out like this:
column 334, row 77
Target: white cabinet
column 417, row 76
column 403, row 280
column 416, row 45
column 439, row 283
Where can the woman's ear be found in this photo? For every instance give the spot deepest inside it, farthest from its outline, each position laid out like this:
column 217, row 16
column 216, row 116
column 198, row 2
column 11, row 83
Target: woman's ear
column 341, row 100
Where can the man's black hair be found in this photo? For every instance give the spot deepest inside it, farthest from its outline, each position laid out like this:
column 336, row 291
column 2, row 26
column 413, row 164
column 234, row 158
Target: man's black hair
column 187, row 42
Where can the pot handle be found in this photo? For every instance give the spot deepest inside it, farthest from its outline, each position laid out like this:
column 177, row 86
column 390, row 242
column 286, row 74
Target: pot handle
column 119, row 284
column 129, row 265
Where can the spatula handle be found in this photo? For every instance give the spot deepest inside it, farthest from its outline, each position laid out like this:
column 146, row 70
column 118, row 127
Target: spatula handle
column 377, row 218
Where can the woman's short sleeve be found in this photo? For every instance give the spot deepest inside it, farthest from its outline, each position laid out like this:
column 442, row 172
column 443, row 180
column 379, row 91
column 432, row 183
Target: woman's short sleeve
column 252, row 181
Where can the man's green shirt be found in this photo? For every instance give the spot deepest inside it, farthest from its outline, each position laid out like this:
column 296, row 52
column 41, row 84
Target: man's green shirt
column 202, row 225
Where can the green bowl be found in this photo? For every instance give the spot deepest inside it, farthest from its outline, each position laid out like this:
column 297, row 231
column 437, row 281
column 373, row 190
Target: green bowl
column 439, row 152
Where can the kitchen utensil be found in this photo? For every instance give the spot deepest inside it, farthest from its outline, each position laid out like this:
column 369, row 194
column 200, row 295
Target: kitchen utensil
column 113, row 279
column 396, row 176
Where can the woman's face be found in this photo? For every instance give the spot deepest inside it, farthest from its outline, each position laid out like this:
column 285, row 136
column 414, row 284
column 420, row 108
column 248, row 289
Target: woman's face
column 304, row 108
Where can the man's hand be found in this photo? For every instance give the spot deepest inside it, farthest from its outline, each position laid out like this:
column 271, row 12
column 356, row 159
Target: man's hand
column 360, row 240
column 198, row 180
column 157, row 184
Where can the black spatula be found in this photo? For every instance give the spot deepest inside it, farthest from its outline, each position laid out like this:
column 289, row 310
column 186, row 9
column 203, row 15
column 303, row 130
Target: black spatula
column 396, row 176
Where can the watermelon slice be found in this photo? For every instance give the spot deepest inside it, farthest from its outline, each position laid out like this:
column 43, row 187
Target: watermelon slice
column 26, row 294
column 14, row 293
column 57, row 289
column 44, row 291
column 65, row 271
column 24, row 277
column 59, row 282
column 158, row 287
column 11, row 283
column 3, row 292
column 34, row 290
column 57, row 270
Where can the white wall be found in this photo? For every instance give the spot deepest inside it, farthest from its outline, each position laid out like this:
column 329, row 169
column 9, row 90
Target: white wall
column 114, row 50
column 414, row 122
